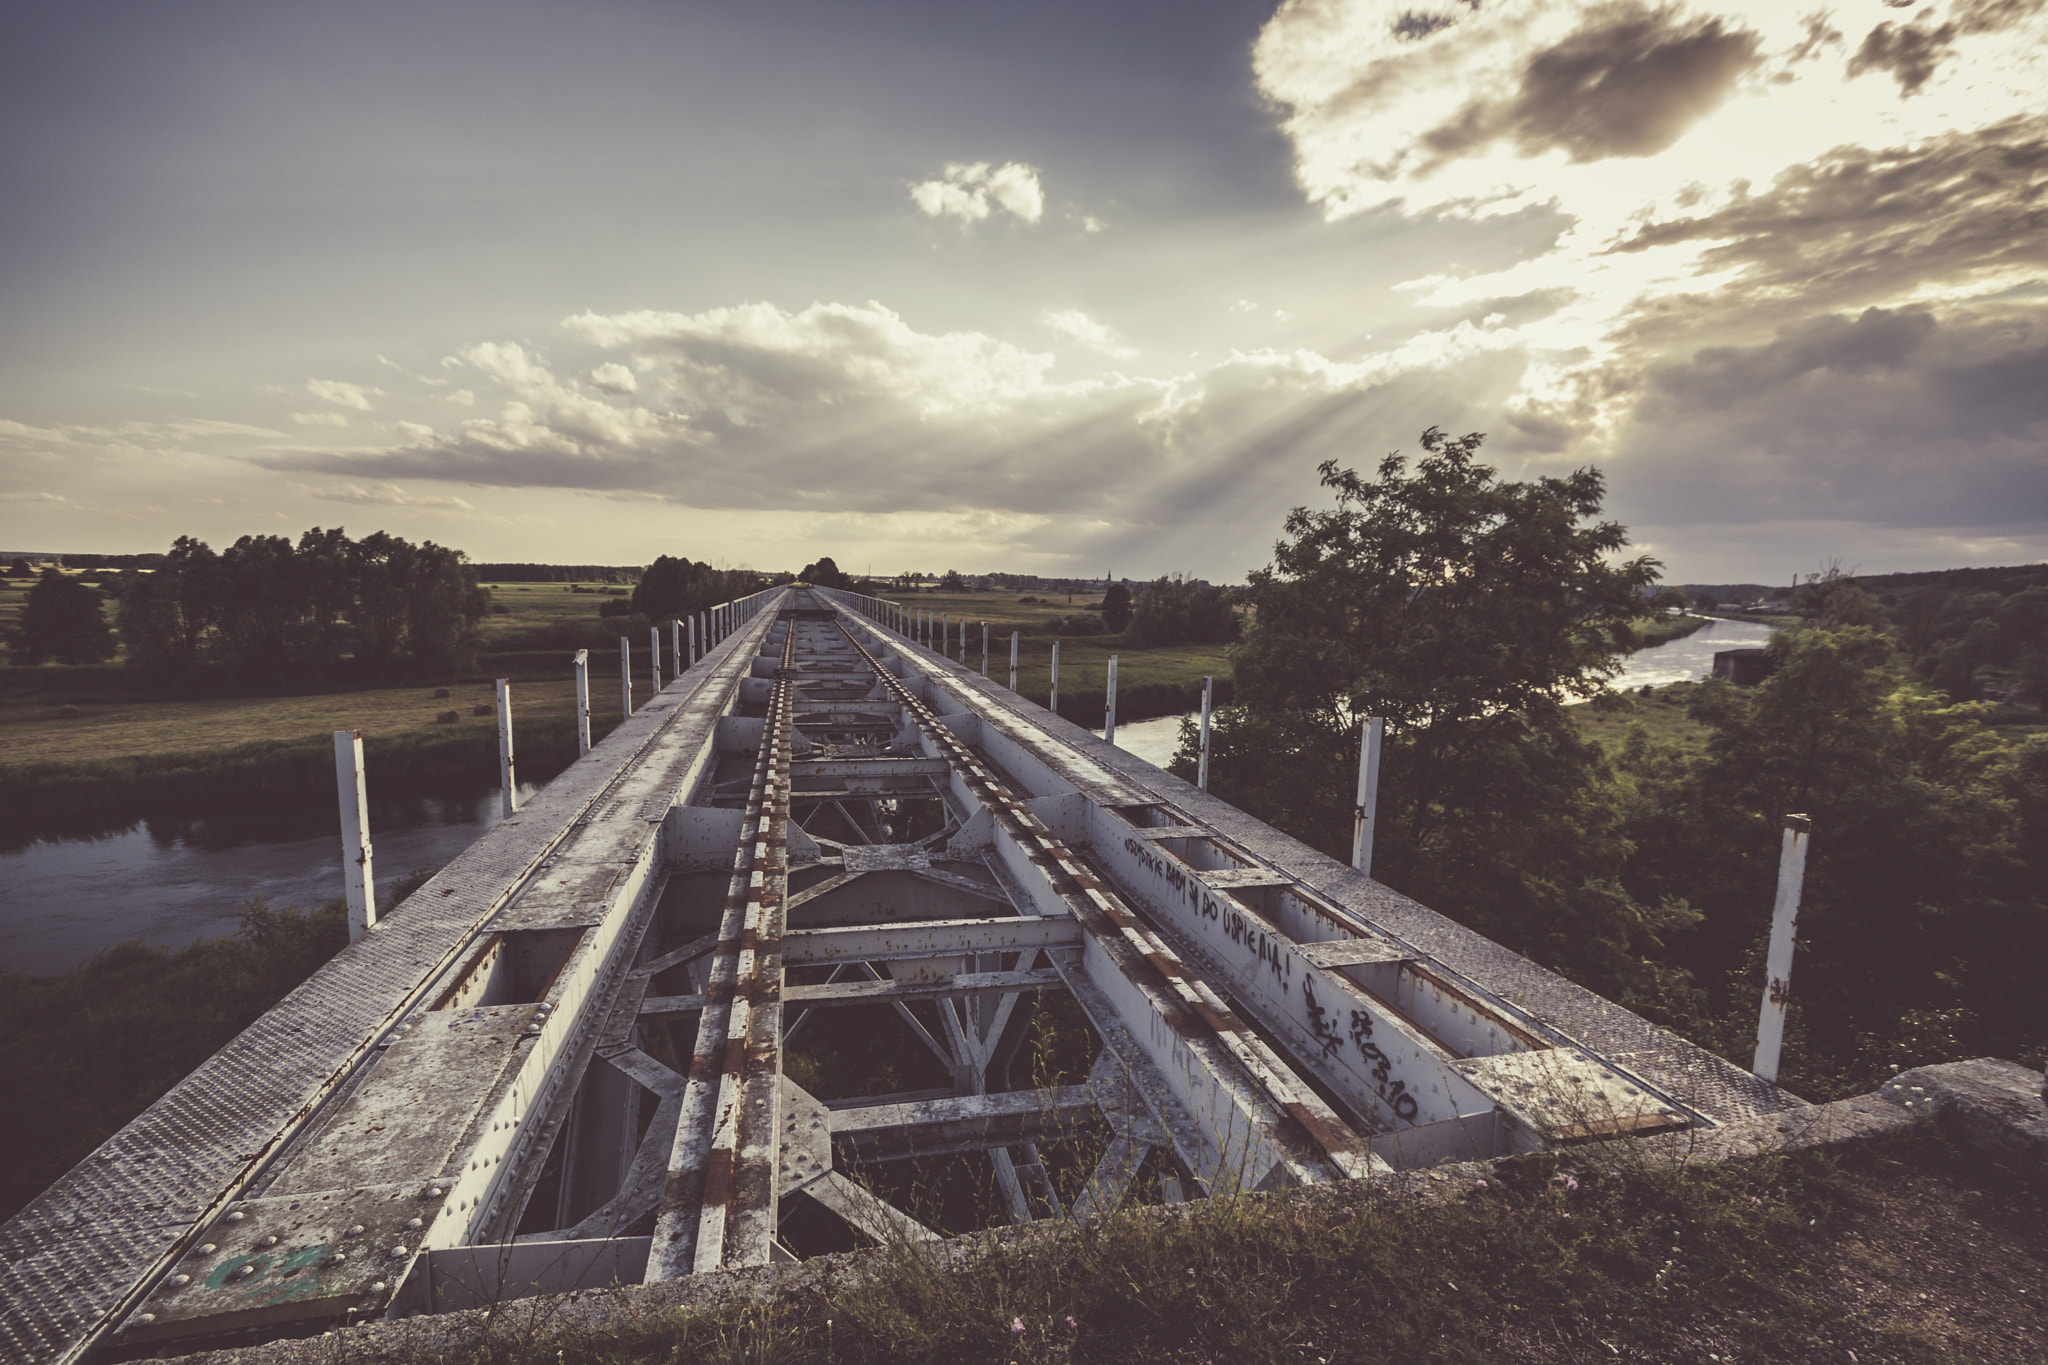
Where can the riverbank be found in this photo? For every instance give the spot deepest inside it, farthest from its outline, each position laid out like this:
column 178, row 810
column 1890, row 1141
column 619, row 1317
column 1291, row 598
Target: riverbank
column 83, row 1052
column 281, row 777
column 1649, row 634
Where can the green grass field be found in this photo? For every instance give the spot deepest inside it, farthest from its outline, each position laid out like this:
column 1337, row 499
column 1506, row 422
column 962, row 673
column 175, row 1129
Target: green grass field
column 57, row 715
column 1661, row 714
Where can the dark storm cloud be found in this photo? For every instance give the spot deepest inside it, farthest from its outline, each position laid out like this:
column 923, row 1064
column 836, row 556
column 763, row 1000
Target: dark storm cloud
column 1891, row 417
column 1626, row 84
column 1913, row 52
column 1864, row 225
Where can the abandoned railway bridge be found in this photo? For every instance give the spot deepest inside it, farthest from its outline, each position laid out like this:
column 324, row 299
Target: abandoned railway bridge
column 562, row 1064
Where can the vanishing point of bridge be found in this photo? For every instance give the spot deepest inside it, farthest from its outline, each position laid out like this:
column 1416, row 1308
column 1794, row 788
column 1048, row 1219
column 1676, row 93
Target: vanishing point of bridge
column 561, row 1065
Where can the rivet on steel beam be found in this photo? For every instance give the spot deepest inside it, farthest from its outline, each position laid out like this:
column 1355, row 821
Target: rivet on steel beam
column 413, row 1223
column 398, row 1251
column 207, row 1248
column 144, row 1319
column 179, row 1281
column 378, row 1287
column 237, row 1216
column 355, row 1231
column 244, row 1271
column 435, row 1193
column 269, row 1241
column 338, row 1257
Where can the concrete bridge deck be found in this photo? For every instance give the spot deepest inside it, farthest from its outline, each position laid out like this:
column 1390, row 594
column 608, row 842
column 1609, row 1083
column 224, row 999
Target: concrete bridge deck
column 562, row 1063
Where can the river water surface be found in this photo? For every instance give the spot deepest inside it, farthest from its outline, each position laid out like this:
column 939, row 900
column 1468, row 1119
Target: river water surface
column 62, row 900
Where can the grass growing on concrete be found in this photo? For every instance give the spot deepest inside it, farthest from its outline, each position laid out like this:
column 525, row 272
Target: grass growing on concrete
column 1589, row 1254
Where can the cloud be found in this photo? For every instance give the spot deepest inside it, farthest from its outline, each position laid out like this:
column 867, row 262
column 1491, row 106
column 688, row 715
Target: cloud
column 388, row 495
column 341, row 394
column 849, row 410
column 320, row 419
column 463, row 398
column 969, row 192
column 1077, row 326
column 615, row 378
column 1888, row 417
column 1789, row 243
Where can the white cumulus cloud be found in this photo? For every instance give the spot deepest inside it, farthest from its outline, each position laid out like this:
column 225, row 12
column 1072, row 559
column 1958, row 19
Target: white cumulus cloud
column 615, row 378
column 341, row 394
column 970, row 190
column 1078, row 327
column 320, row 419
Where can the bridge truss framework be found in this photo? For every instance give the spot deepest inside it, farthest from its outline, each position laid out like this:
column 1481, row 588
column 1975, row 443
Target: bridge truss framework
column 567, row 1060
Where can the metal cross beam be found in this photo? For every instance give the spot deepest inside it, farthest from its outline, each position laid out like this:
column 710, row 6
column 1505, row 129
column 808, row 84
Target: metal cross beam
column 573, row 1057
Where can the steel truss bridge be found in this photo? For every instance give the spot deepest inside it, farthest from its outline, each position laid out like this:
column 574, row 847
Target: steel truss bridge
column 561, row 1063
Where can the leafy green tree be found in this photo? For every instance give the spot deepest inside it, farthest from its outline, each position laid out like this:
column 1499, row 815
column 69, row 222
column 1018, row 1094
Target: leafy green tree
column 951, row 581
column 673, row 588
column 825, row 574
column 1922, row 924
column 21, row 568
column 60, row 620
column 1465, row 610
column 1116, row 607
column 1171, row 611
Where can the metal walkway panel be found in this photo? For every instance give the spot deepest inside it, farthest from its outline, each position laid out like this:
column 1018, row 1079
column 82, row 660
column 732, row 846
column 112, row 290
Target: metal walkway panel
column 80, row 1253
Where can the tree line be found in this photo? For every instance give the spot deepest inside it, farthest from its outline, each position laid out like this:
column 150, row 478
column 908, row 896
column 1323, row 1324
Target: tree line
column 269, row 615
column 1470, row 612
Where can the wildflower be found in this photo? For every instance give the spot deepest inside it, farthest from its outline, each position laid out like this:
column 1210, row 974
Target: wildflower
column 1016, row 1324
column 1071, row 1322
column 1570, row 1183
column 1482, row 1184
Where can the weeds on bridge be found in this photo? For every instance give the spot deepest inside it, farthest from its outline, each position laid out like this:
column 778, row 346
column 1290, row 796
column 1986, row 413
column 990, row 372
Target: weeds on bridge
column 1571, row 1256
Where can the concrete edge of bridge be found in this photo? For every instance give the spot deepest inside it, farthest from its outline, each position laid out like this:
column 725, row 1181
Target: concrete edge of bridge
column 1991, row 1108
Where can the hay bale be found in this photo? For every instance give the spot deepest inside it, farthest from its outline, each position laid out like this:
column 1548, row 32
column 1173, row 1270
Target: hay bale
column 482, row 708
column 447, row 717
column 440, row 693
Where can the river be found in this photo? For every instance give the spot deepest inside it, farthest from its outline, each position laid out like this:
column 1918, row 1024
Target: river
column 1686, row 659
column 62, row 900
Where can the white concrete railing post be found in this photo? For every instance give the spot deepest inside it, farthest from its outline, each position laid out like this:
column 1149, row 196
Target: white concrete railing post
column 1370, row 735
column 945, row 635
column 358, row 877
column 675, row 645
column 582, row 702
column 1013, row 661
column 654, row 656
column 1770, row 1020
column 508, row 799
column 626, row 674
column 1109, row 703
column 1202, row 764
column 693, row 638
column 984, row 649
column 1052, row 703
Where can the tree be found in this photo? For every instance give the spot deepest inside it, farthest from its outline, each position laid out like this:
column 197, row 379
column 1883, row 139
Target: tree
column 825, row 574
column 60, row 620
column 165, row 614
column 1466, row 611
column 1116, row 607
column 1921, row 926
column 1173, row 611
column 21, row 568
column 673, row 588
column 951, row 581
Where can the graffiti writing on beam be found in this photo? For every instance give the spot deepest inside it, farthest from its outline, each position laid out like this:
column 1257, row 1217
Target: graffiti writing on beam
column 1330, row 1027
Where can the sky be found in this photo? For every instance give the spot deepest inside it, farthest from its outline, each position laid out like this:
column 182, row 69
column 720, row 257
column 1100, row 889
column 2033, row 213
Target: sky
column 1058, row 288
